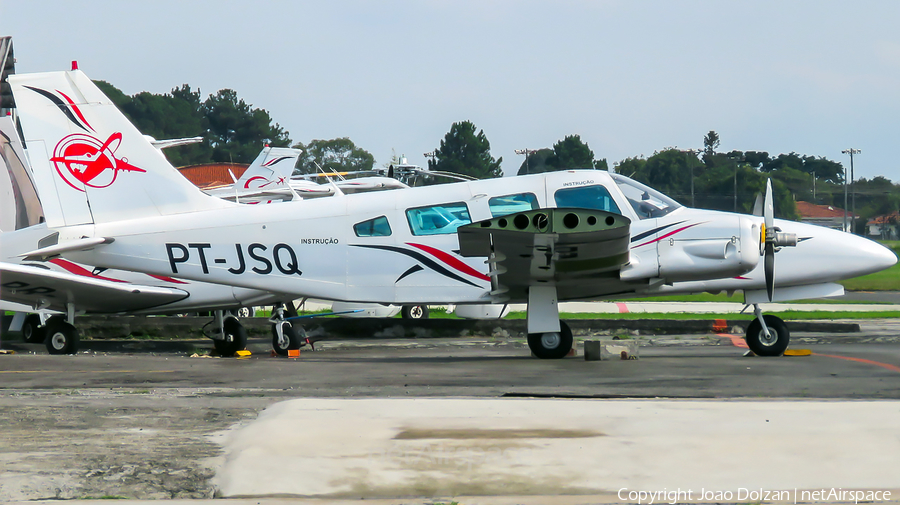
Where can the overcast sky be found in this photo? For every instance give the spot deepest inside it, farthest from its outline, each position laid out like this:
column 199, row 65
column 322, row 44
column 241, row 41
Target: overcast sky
column 631, row 77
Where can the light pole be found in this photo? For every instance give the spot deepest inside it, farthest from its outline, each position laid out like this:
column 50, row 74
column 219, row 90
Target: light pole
column 736, row 160
column 526, row 152
column 692, row 153
column 851, row 152
column 432, row 155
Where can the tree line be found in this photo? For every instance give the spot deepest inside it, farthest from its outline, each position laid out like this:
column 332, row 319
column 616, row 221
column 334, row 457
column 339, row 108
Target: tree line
column 234, row 131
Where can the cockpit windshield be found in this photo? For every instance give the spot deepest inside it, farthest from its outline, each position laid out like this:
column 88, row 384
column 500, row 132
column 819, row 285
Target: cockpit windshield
column 646, row 201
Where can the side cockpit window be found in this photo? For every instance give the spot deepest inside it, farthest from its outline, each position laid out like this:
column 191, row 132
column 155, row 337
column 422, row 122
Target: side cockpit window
column 438, row 219
column 378, row 227
column 647, row 202
column 510, row 204
column 586, row 197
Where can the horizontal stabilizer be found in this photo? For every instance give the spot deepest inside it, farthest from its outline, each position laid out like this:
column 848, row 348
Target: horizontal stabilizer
column 73, row 245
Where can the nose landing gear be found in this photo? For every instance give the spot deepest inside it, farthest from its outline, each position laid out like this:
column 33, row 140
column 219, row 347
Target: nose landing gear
column 767, row 335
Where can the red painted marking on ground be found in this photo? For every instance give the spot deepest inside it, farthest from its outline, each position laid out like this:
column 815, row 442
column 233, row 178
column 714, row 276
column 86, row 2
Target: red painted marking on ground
column 623, row 309
column 892, row 368
column 736, row 340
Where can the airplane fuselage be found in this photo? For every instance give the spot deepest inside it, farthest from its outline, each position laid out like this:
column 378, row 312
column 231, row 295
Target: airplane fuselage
column 402, row 247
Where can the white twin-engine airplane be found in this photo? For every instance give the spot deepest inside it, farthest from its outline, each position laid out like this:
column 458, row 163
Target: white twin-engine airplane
column 573, row 235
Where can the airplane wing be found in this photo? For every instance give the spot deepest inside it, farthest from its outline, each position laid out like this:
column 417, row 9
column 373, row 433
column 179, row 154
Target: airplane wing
column 37, row 286
column 572, row 249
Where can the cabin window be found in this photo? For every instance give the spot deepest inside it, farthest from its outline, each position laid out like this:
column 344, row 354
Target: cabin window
column 586, row 197
column 438, row 219
column 510, row 204
column 378, row 227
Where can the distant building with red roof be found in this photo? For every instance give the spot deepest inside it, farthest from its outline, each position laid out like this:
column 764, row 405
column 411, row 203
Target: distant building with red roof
column 213, row 174
column 884, row 227
column 828, row 216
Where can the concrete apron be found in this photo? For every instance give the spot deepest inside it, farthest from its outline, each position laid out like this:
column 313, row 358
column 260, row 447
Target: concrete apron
column 379, row 448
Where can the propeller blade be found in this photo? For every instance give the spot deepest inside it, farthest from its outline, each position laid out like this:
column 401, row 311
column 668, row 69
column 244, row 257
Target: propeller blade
column 770, row 269
column 758, row 205
column 769, row 208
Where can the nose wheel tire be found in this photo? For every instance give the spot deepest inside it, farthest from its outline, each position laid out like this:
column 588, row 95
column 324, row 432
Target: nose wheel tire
column 235, row 337
column 293, row 337
column 32, row 332
column 61, row 337
column 414, row 312
column 552, row 345
column 775, row 344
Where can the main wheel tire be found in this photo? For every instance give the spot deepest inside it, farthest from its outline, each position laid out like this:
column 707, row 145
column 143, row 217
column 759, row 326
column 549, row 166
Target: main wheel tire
column 293, row 341
column 32, row 331
column 235, row 337
column 414, row 312
column 245, row 312
column 774, row 346
column 61, row 337
column 554, row 345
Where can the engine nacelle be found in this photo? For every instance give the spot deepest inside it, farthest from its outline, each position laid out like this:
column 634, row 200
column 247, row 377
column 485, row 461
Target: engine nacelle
column 723, row 248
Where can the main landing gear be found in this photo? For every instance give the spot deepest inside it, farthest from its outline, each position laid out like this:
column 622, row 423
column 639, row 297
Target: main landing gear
column 551, row 344
column 767, row 335
column 414, row 312
column 229, row 335
column 58, row 333
column 286, row 336
column 548, row 336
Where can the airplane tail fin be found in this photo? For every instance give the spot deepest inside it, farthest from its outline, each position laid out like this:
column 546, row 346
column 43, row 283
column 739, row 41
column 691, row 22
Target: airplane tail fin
column 272, row 169
column 91, row 165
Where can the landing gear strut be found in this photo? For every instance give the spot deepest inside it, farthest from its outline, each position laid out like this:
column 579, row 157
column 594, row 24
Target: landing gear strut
column 285, row 336
column 767, row 335
column 548, row 336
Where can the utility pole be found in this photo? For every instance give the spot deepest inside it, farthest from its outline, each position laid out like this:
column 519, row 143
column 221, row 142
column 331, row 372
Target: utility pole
column 851, row 152
column 526, row 152
column 690, row 153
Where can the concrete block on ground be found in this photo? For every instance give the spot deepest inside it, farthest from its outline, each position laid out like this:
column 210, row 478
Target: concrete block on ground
column 613, row 349
column 592, row 350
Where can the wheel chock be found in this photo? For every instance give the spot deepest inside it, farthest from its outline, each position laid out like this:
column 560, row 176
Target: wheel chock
column 4, row 351
column 293, row 353
column 244, row 354
column 798, row 352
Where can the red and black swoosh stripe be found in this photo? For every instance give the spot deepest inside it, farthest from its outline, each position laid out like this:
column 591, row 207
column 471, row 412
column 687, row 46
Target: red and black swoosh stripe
column 67, row 107
column 429, row 262
column 275, row 160
column 653, row 231
column 657, row 230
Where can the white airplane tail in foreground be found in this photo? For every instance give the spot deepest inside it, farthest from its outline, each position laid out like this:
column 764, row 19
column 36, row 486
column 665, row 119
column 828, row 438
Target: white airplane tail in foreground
column 100, row 166
column 540, row 239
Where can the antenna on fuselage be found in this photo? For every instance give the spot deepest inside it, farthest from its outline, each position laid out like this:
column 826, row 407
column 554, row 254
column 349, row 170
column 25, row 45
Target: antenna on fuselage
column 337, row 190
